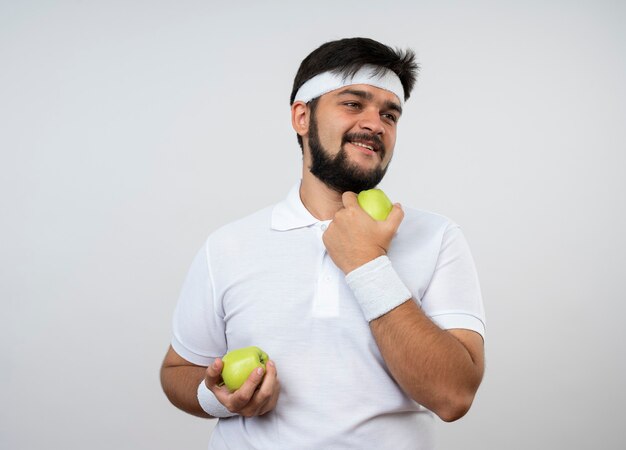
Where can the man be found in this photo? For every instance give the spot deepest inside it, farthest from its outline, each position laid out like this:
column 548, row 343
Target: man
column 372, row 326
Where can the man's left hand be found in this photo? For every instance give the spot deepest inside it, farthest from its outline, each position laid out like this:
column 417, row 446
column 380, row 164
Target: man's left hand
column 353, row 238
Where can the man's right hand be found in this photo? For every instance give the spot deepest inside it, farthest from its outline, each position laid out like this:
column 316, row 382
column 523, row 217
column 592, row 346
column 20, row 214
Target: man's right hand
column 257, row 396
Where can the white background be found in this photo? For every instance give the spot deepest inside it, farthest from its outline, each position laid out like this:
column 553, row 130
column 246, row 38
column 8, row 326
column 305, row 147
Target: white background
column 129, row 130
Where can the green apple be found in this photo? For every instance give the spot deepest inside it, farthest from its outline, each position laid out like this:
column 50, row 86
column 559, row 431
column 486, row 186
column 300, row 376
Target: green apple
column 239, row 364
column 376, row 203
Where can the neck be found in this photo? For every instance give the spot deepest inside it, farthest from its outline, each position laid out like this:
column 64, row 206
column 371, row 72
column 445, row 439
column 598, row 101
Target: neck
column 321, row 201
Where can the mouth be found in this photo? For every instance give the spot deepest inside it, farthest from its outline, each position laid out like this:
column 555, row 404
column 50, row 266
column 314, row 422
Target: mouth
column 365, row 143
column 361, row 144
column 367, row 147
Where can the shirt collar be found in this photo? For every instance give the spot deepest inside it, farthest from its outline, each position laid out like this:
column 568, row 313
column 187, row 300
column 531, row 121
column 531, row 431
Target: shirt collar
column 291, row 212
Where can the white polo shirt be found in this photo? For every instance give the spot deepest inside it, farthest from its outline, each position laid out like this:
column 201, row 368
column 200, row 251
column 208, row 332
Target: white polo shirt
column 267, row 280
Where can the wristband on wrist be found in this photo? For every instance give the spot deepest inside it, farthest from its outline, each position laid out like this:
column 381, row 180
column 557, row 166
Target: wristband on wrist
column 377, row 287
column 210, row 404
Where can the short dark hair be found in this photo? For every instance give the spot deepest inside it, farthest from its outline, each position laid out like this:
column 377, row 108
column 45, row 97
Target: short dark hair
column 347, row 56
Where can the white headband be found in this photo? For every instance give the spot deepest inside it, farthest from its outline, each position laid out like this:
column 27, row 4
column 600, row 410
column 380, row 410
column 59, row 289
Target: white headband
column 329, row 81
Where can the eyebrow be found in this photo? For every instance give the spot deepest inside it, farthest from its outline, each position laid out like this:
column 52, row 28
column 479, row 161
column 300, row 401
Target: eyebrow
column 369, row 96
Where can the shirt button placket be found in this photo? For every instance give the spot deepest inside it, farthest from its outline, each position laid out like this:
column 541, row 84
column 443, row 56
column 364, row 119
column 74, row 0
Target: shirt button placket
column 326, row 302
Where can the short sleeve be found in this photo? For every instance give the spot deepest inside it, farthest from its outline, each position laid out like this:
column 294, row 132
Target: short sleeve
column 198, row 326
column 453, row 298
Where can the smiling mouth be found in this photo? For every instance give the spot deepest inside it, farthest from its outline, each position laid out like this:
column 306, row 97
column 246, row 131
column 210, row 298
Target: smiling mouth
column 360, row 144
column 366, row 143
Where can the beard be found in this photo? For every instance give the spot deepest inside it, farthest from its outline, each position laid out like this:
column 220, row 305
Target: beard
column 337, row 172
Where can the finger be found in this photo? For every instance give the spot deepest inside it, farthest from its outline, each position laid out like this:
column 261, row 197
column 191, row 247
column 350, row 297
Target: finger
column 258, row 404
column 395, row 217
column 271, row 371
column 269, row 382
column 349, row 199
column 271, row 402
column 269, row 390
column 241, row 397
column 213, row 375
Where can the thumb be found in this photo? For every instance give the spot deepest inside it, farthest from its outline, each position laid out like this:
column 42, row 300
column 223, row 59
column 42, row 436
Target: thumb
column 395, row 217
column 349, row 199
column 213, row 374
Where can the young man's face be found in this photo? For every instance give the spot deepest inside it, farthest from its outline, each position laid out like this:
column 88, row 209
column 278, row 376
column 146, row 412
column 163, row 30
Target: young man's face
column 352, row 135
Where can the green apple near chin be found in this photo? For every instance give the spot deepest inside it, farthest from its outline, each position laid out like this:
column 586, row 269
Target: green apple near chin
column 239, row 364
column 375, row 202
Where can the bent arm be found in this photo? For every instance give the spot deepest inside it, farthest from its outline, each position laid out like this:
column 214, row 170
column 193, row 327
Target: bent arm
column 439, row 369
column 180, row 380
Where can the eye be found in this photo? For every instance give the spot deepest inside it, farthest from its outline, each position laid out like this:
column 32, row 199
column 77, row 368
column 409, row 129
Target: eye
column 352, row 105
column 390, row 117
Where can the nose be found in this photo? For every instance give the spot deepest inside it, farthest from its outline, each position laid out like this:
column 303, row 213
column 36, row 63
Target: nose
column 370, row 120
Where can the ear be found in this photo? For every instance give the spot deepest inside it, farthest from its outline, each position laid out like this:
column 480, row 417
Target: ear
column 300, row 116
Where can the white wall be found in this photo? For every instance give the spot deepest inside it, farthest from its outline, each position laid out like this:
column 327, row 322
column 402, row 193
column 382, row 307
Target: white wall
column 131, row 129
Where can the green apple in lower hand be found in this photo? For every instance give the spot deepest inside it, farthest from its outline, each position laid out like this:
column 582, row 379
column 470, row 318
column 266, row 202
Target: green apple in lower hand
column 375, row 202
column 239, row 364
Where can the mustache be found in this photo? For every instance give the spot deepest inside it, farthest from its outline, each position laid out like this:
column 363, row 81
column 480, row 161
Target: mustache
column 376, row 141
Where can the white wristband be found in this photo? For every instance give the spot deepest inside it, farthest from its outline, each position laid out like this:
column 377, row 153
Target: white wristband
column 377, row 287
column 210, row 404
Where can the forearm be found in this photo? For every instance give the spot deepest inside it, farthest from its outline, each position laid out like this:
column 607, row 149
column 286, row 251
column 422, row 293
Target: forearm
column 180, row 384
column 430, row 364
